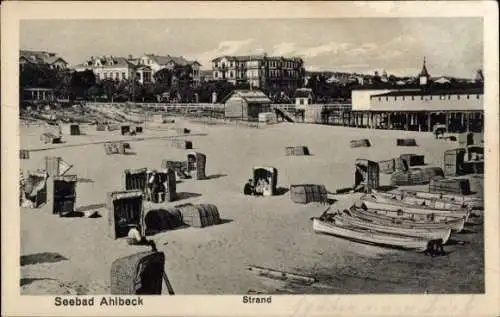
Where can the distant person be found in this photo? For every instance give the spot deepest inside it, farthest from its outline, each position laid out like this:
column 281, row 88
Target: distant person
column 248, row 189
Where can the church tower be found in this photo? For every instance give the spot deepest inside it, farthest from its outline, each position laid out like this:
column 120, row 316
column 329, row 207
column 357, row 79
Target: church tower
column 424, row 76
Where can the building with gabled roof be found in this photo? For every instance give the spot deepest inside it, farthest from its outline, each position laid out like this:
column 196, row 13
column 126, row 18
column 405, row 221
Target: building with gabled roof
column 50, row 59
column 158, row 62
column 116, row 68
column 246, row 105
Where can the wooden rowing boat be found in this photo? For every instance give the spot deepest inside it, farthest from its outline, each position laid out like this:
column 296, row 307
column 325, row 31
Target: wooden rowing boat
column 400, row 209
column 467, row 201
column 433, row 203
column 370, row 236
column 456, row 225
column 343, row 218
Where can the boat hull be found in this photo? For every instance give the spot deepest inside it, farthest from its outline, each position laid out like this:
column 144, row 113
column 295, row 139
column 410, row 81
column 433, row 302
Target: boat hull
column 427, row 233
column 398, row 209
column 376, row 238
column 456, row 225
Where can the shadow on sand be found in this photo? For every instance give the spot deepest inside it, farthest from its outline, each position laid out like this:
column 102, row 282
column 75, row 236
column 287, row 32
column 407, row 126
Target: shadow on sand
column 186, row 195
column 45, row 257
column 215, row 176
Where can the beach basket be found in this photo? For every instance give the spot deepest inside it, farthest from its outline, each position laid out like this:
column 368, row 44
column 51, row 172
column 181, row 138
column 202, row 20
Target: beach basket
column 360, row 143
column 412, row 159
column 56, row 166
column 74, row 129
column 200, row 216
column 64, row 195
column 159, row 220
column 459, row 186
column 135, row 179
column 182, row 144
column 138, row 274
column 183, row 130
column 387, row 166
column 476, row 184
column 454, row 162
column 268, row 176
column 306, row 193
column 138, row 129
column 124, row 212
column 35, row 188
column 24, row 154
column 112, row 127
column 415, row 176
column 196, row 163
column 406, row 142
column 161, row 186
column 49, row 138
column 297, row 150
column 179, row 168
column 366, row 174
column 100, row 127
column 125, row 129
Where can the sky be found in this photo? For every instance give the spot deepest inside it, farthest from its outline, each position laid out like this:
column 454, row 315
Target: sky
column 451, row 46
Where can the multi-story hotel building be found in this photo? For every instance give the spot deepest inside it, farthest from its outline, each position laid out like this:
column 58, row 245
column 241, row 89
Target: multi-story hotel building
column 261, row 71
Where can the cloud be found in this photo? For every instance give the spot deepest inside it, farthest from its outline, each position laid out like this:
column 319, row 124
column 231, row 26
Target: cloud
column 325, row 49
column 227, row 48
column 286, row 48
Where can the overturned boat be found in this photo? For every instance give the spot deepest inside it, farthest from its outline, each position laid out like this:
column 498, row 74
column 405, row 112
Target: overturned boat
column 456, row 225
column 370, row 236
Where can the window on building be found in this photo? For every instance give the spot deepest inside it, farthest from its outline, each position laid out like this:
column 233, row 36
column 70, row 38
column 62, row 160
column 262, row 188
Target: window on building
column 449, row 97
column 421, row 97
column 98, row 76
column 117, row 75
column 412, row 97
column 230, row 74
column 403, row 98
column 301, row 101
column 379, row 99
column 430, row 97
column 395, row 98
column 105, row 75
column 386, row 98
column 467, row 96
column 216, row 74
column 124, row 75
column 458, row 97
column 477, row 96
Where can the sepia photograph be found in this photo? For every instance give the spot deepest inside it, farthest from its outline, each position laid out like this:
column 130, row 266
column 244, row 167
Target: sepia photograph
column 251, row 156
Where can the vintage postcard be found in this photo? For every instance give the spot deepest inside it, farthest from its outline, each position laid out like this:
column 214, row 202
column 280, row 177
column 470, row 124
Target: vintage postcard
column 250, row 158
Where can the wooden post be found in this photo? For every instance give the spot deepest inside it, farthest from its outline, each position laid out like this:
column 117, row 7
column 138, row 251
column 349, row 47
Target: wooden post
column 407, row 123
column 389, row 120
column 467, row 121
column 429, row 127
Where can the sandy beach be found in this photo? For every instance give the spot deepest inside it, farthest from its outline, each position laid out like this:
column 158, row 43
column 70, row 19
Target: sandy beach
column 265, row 231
